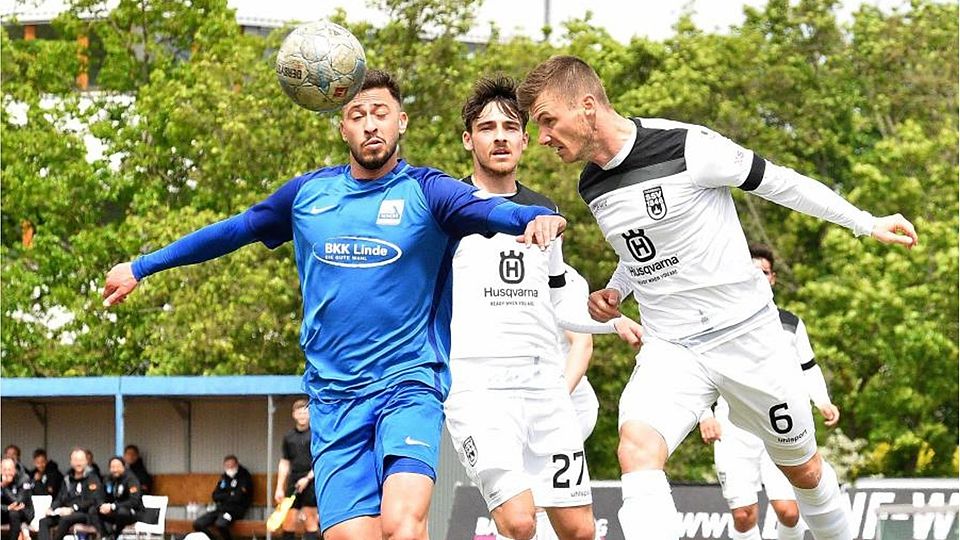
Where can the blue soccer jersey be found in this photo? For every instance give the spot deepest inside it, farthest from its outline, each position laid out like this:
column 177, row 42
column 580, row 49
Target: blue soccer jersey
column 374, row 264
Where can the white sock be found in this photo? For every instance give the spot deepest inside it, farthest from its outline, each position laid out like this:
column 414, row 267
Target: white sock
column 790, row 533
column 648, row 511
column 822, row 508
column 544, row 527
column 752, row 534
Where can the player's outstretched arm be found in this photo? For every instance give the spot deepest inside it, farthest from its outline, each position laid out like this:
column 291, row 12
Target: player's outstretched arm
column 895, row 229
column 202, row 245
column 120, row 282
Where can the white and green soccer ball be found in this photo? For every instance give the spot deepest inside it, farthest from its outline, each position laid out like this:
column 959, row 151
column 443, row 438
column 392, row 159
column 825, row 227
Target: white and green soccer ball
column 321, row 66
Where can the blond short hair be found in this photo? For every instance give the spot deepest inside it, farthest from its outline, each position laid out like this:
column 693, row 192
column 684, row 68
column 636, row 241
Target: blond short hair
column 564, row 75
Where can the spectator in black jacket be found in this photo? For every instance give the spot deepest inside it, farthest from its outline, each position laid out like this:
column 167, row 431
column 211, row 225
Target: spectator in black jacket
column 81, row 493
column 12, row 451
column 45, row 475
column 17, row 507
column 91, row 463
column 232, row 497
column 131, row 455
column 123, row 504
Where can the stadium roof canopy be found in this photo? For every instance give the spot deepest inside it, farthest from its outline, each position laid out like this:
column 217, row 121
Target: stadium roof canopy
column 118, row 388
column 236, row 385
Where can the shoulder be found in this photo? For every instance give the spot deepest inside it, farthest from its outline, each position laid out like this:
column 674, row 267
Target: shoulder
column 529, row 197
column 658, row 151
column 429, row 175
column 318, row 175
column 789, row 320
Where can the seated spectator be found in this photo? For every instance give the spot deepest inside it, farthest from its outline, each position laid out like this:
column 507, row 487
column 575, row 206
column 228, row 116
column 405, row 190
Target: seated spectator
column 17, row 507
column 131, row 456
column 45, row 475
column 91, row 463
column 232, row 497
column 12, row 451
column 123, row 505
column 81, row 493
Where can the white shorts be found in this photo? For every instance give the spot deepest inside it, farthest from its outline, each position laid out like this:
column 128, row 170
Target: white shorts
column 756, row 372
column 743, row 465
column 586, row 406
column 510, row 441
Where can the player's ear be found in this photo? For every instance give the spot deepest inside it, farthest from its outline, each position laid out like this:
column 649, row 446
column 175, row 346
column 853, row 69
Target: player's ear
column 403, row 122
column 526, row 141
column 343, row 136
column 589, row 105
column 467, row 141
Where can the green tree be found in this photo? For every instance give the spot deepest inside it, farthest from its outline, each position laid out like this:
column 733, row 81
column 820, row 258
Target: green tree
column 194, row 128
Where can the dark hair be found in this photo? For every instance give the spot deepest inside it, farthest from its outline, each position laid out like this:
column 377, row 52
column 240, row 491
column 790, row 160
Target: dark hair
column 133, row 447
column 15, row 447
column 762, row 251
column 566, row 76
column 229, row 457
column 376, row 78
column 500, row 89
column 39, row 452
column 301, row 403
column 117, row 458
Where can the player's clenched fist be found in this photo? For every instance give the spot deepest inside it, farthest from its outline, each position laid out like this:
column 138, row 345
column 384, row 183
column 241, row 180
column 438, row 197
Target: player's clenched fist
column 604, row 305
column 629, row 331
column 542, row 230
column 895, row 229
column 120, row 282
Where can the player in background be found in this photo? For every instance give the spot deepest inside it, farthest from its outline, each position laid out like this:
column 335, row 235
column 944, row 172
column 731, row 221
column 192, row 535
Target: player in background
column 295, row 476
column 509, row 411
column 373, row 241
column 660, row 192
column 742, row 462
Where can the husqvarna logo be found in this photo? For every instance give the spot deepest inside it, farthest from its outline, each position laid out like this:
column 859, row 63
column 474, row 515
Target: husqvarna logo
column 356, row 252
column 511, row 266
column 639, row 245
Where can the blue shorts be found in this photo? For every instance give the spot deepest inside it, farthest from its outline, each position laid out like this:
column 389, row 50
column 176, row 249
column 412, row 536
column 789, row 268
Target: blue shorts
column 352, row 438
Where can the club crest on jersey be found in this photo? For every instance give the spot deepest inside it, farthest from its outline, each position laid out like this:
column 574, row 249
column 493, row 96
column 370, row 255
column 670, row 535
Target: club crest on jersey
column 511, row 266
column 640, row 246
column 656, row 203
column 391, row 212
column 470, row 450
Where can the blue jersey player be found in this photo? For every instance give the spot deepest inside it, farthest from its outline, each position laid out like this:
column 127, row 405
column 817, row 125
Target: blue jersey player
column 382, row 233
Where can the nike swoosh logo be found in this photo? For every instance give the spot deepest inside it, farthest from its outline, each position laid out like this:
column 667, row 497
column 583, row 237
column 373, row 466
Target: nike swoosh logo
column 321, row 210
column 413, row 442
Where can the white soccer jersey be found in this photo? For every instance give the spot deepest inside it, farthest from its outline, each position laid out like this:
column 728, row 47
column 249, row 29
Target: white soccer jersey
column 668, row 213
column 506, row 309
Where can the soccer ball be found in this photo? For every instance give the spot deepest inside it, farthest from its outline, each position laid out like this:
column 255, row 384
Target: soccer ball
column 321, row 66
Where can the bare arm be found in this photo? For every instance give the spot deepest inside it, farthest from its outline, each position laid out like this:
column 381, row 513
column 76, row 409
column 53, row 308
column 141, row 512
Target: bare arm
column 581, row 349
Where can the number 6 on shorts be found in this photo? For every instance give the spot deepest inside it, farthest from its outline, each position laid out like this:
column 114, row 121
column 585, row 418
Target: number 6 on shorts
column 776, row 420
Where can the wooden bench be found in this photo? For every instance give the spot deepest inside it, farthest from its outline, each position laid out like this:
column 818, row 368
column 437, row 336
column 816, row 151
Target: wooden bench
column 183, row 489
column 245, row 528
column 186, row 488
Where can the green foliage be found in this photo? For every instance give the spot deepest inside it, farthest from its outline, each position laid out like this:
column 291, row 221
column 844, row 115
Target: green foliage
column 870, row 109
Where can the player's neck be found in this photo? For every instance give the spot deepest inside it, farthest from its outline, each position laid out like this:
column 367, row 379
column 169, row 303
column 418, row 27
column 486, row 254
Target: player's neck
column 359, row 172
column 496, row 184
column 613, row 131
